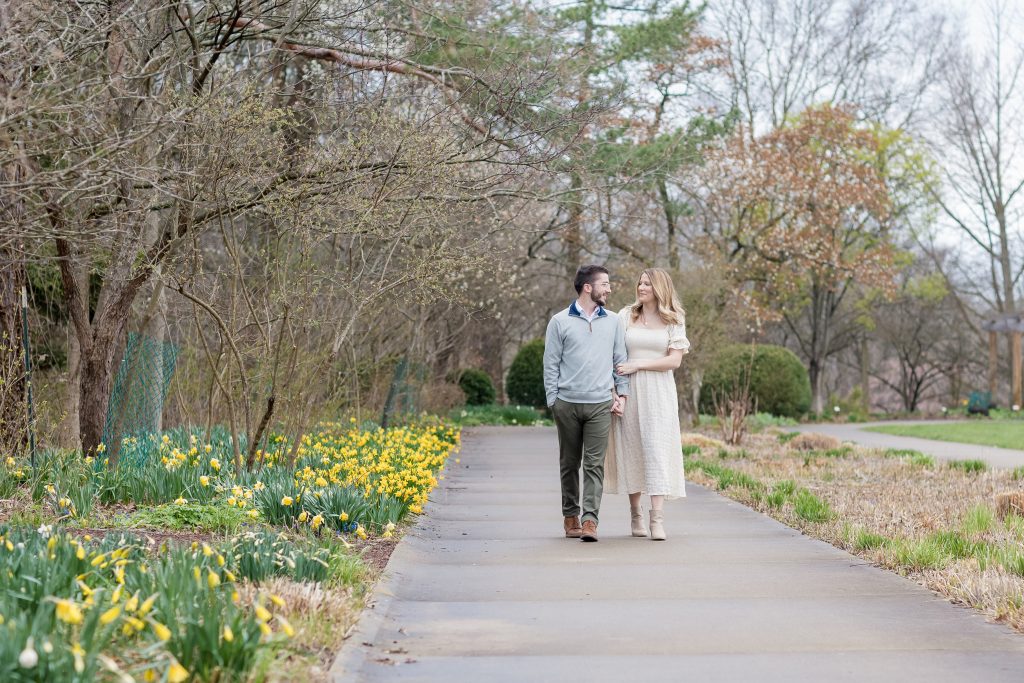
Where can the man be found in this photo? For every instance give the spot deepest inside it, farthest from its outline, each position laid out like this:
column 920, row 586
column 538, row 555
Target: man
column 584, row 344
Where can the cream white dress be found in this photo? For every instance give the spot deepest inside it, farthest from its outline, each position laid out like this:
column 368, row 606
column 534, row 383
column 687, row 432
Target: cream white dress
column 645, row 449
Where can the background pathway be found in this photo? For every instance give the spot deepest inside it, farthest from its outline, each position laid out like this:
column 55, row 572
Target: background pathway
column 943, row 450
column 486, row 588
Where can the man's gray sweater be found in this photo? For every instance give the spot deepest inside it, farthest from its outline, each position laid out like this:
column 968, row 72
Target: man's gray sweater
column 580, row 357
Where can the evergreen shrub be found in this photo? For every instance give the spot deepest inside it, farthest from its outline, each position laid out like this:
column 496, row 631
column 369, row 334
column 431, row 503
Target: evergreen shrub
column 778, row 380
column 525, row 381
column 477, row 386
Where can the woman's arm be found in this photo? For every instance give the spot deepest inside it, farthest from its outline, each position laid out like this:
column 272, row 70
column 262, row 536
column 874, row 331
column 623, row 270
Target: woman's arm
column 671, row 361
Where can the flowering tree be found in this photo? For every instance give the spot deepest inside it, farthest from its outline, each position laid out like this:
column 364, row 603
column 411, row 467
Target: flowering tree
column 802, row 216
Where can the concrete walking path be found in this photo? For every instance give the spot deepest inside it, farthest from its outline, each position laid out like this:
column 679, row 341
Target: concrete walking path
column 486, row 588
column 1004, row 458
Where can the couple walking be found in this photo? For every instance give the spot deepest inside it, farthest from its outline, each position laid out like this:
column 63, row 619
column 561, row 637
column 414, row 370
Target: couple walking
column 609, row 385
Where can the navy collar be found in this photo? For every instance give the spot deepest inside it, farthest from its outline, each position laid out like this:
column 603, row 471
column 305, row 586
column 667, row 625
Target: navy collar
column 575, row 310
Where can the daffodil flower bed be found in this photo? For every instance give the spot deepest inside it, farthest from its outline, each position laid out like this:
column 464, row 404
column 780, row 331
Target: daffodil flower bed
column 343, row 479
column 78, row 609
column 73, row 608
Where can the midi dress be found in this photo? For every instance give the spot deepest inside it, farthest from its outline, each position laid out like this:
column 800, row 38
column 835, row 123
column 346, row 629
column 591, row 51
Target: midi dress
column 645, row 448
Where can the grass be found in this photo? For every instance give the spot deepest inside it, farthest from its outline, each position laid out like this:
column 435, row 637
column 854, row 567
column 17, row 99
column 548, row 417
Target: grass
column 494, row 414
column 194, row 516
column 910, row 455
column 811, row 508
column 1001, row 433
column 969, row 466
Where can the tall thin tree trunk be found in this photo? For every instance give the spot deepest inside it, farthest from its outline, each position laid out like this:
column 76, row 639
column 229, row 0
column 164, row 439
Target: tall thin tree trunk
column 13, row 417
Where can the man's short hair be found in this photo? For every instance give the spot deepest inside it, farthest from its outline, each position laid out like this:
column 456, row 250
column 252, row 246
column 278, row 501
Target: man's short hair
column 586, row 276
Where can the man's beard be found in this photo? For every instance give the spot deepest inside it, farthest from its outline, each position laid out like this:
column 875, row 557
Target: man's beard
column 599, row 299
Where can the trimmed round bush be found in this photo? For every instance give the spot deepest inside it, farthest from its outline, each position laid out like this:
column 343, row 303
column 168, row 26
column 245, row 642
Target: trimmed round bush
column 524, row 383
column 778, row 380
column 477, row 386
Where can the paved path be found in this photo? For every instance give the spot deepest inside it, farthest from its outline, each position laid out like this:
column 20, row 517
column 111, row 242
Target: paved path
column 1005, row 458
column 485, row 588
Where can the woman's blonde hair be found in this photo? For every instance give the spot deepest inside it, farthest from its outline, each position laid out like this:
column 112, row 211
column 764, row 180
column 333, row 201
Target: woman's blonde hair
column 669, row 307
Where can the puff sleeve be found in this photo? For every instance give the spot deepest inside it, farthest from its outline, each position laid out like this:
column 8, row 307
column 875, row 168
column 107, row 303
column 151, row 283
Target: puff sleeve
column 677, row 337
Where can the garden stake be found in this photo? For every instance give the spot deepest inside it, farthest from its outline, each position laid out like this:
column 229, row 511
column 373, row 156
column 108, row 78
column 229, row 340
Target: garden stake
column 28, row 376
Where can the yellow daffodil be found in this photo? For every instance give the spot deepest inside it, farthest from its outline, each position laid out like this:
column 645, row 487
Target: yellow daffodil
column 215, row 464
column 262, row 613
column 180, row 501
column 212, row 579
column 69, row 612
column 161, row 631
column 285, row 626
column 228, row 634
column 303, row 516
column 287, row 501
column 177, row 673
column 110, row 615
column 147, row 605
column 204, row 480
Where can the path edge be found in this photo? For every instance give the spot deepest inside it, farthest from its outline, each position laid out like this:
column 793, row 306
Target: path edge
column 354, row 653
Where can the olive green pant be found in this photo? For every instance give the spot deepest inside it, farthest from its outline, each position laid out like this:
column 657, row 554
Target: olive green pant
column 582, row 440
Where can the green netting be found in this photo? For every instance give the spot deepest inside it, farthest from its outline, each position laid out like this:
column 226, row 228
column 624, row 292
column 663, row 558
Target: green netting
column 140, row 388
column 403, row 393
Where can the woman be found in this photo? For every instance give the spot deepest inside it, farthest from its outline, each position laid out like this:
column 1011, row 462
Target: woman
column 644, row 452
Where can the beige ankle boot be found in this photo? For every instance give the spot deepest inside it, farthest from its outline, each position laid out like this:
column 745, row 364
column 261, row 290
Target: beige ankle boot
column 657, row 530
column 637, row 522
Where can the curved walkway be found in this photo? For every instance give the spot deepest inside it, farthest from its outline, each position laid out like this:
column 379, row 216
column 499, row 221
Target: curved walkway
column 1005, row 458
column 485, row 588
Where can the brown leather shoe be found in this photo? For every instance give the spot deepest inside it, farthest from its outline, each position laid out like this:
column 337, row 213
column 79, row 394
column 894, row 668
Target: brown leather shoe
column 572, row 527
column 589, row 531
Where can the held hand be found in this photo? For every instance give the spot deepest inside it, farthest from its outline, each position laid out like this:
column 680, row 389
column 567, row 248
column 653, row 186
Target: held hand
column 627, row 368
column 619, row 405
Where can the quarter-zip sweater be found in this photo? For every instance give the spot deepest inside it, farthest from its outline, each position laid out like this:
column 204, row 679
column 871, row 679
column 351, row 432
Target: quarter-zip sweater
column 580, row 357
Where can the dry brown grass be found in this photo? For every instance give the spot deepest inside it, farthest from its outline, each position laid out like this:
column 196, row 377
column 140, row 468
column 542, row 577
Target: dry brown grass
column 1009, row 502
column 907, row 504
column 812, row 441
column 701, row 441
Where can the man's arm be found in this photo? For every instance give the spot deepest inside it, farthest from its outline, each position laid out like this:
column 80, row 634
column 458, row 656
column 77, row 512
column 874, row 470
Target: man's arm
column 552, row 361
column 618, row 358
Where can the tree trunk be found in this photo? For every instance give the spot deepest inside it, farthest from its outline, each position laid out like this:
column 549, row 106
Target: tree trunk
column 816, row 375
column 13, row 416
column 94, row 398
column 670, row 224
column 70, row 438
column 865, row 375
